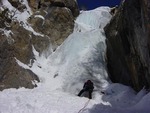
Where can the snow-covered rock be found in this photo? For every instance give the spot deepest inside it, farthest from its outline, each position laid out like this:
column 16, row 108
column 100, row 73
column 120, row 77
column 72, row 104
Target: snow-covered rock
column 20, row 29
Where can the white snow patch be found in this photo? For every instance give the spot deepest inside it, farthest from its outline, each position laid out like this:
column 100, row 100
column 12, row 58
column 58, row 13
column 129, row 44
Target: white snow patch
column 39, row 16
column 29, row 28
column 22, row 17
column 22, row 64
column 6, row 32
column 8, row 5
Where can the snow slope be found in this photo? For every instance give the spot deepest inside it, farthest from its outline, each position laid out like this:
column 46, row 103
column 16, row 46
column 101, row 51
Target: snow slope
column 62, row 74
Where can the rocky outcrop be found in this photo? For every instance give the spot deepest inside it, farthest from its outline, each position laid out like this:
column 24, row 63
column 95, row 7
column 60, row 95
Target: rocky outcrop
column 128, row 44
column 46, row 28
column 11, row 74
column 57, row 20
column 57, row 24
column 17, row 45
column 70, row 4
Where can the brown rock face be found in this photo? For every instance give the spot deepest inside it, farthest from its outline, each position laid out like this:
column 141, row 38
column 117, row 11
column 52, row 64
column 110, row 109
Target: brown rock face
column 18, row 45
column 57, row 24
column 58, row 20
column 128, row 41
column 51, row 26
column 70, row 4
column 11, row 74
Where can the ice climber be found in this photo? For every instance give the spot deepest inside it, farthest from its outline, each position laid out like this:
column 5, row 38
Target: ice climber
column 88, row 87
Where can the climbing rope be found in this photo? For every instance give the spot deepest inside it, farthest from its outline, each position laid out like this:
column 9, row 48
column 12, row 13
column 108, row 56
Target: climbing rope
column 84, row 106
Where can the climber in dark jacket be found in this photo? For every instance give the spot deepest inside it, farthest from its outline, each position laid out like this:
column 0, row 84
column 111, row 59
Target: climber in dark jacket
column 88, row 86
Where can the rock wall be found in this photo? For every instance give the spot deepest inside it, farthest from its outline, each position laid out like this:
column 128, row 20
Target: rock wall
column 70, row 4
column 51, row 24
column 11, row 74
column 128, row 44
column 58, row 23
